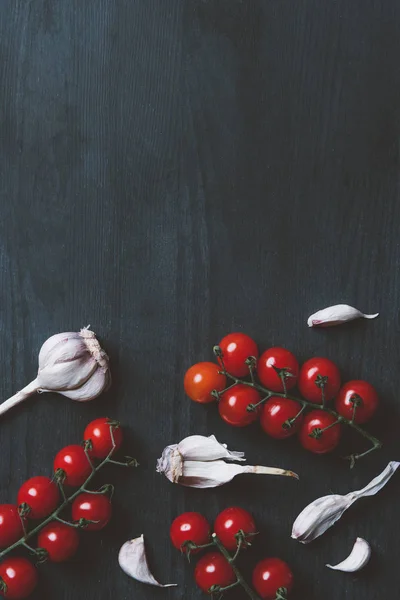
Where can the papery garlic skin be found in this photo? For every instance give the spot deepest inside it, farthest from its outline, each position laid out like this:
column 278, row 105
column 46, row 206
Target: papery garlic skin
column 357, row 559
column 323, row 512
column 336, row 315
column 318, row 516
column 199, row 447
column 133, row 561
column 197, row 462
column 67, row 362
column 72, row 364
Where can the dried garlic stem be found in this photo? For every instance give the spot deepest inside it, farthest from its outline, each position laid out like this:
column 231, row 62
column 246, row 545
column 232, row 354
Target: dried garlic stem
column 20, row 396
column 259, row 470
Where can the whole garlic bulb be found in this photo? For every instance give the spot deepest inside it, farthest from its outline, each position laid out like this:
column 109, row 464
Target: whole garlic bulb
column 72, row 364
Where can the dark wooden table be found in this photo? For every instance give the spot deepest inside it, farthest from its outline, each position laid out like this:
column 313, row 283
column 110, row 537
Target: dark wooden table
column 172, row 171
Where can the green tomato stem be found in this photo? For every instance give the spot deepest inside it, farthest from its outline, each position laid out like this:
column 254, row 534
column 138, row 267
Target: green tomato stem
column 65, row 503
column 266, row 393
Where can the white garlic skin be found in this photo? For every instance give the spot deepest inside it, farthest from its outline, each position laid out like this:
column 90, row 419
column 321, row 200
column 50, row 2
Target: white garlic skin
column 336, row 315
column 357, row 559
column 318, row 516
column 323, row 512
column 133, row 561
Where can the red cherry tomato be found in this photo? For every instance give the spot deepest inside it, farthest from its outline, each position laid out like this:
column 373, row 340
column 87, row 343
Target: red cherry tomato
column 275, row 414
column 93, row 507
column 275, row 364
column 236, row 347
column 98, row 432
column 74, row 462
column 269, row 576
column 361, row 394
column 229, row 522
column 42, row 496
column 190, row 526
column 313, row 374
column 234, row 402
column 201, row 379
column 60, row 541
column 213, row 569
column 10, row 525
column 327, row 440
column 20, row 578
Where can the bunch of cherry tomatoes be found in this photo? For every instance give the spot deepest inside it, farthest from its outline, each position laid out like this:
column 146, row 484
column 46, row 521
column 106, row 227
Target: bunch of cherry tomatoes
column 40, row 496
column 191, row 530
column 278, row 371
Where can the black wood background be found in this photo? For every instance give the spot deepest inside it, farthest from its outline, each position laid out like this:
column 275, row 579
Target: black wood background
column 174, row 170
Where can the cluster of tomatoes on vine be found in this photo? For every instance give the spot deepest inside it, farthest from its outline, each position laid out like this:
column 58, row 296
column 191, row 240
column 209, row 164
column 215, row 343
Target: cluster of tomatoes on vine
column 38, row 499
column 278, row 371
column 234, row 529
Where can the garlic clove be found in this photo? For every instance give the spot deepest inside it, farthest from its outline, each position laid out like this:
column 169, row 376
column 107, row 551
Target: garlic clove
column 319, row 516
column 323, row 512
column 67, row 375
column 357, row 559
column 335, row 315
column 197, row 462
column 58, row 346
column 98, row 383
column 133, row 561
column 199, row 447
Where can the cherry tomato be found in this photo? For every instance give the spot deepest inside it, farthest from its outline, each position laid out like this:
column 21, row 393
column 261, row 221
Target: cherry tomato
column 42, row 496
column 201, row 379
column 269, row 576
column 313, row 422
column 213, row 569
column 313, row 374
column 229, row 522
column 361, row 393
column 60, row 541
column 98, row 432
column 275, row 414
column 275, row 364
column 236, row 347
column 19, row 578
column 190, row 526
column 10, row 525
column 234, row 402
column 74, row 462
column 93, row 507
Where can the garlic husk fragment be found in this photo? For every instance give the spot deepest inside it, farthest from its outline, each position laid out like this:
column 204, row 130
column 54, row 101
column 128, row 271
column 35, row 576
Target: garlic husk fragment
column 322, row 513
column 357, row 559
column 197, row 462
column 336, row 315
column 72, row 364
column 133, row 561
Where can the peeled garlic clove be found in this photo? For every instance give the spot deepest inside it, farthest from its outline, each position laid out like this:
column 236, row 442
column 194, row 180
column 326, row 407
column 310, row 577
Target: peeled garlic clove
column 357, row 559
column 335, row 315
column 133, row 561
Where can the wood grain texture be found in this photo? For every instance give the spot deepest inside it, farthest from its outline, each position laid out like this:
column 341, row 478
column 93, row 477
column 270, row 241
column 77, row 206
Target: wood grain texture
column 171, row 171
